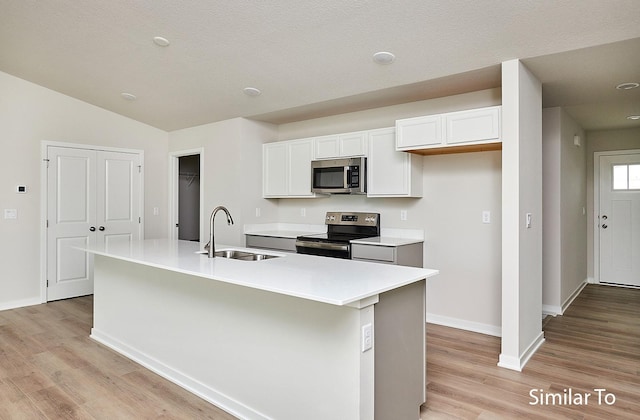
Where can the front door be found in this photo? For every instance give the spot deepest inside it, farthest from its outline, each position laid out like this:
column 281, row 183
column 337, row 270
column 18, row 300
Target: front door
column 92, row 198
column 619, row 219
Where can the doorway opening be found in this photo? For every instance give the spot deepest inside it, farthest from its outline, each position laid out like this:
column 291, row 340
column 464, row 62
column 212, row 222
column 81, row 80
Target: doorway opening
column 189, row 198
column 186, row 194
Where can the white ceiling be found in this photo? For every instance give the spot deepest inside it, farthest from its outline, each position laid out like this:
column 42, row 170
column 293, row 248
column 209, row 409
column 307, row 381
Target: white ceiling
column 314, row 58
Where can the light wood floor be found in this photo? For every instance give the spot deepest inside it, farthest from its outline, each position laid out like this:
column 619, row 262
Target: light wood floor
column 50, row 369
column 595, row 344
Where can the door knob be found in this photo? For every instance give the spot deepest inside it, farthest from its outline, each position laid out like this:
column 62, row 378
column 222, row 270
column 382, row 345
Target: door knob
column 604, row 226
column 101, row 228
column 92, row 228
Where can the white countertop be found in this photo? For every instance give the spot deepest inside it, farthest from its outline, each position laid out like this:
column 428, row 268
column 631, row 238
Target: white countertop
column 289, row 234
column 329, row 280
column 386, row 241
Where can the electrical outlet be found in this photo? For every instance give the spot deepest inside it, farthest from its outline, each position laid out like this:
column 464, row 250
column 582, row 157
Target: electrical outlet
column 257, row 211
column 156, row 211
column 367, row 337
column 10, row 213
column 486, row 216
column 303, row 212
column 403, row 215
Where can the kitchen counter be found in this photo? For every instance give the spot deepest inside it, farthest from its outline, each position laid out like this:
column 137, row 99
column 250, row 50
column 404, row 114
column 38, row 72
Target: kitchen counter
column 327, row 280
column 387, row 241
column 272, row 338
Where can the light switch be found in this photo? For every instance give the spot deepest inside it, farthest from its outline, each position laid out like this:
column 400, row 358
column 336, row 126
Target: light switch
column 528, row 217
column 10, row 213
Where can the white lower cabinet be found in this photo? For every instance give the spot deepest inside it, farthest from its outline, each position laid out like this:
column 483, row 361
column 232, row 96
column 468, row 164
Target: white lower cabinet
column 286, row 169
column 391, row 173
column 409, row 254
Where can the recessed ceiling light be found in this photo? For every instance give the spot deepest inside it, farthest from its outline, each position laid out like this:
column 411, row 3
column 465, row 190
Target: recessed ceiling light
column 627, row 86
column 251, row 91
column 160, row 41
column 129, row 96
column 633, row 117
column 384, row 57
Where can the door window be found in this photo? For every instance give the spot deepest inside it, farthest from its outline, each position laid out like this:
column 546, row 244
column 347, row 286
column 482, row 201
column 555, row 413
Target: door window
column 626, row 177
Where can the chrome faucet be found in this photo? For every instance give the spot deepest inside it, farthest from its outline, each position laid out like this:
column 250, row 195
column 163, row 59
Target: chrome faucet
column 211, row 247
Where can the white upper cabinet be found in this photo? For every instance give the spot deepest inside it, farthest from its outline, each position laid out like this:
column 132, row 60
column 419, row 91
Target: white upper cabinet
column 391, row 173
column 480, row 125
column 341, row 145
column 286, row 169
column 470, row 128
column 419, row 132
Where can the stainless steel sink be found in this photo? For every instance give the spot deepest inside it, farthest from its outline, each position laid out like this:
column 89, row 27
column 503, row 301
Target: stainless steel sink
column 241, row 255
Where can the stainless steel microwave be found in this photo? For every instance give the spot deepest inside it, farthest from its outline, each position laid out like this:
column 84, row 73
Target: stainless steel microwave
column 339, row 176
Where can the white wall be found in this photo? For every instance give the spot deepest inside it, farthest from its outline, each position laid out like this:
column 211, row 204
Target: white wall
column 565, row 201
column 457, row 188
column 29, row 115
column 232, row 176
column 601, row 141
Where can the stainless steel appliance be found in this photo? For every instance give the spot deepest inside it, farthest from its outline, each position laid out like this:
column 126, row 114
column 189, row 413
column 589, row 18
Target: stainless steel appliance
column 339, row 176
column 342, row 227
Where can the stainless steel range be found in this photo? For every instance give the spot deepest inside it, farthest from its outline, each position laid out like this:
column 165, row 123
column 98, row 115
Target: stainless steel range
column 342, row 227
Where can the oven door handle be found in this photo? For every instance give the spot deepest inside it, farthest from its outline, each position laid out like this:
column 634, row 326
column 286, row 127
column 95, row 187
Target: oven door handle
column 322, row 245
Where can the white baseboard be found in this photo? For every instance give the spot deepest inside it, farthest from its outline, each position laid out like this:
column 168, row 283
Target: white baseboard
column 574, row 295
column 462, row 324
column 19, row 303
column 555, row 310
column 195, row 387
column 518, row 363
column 552, row 310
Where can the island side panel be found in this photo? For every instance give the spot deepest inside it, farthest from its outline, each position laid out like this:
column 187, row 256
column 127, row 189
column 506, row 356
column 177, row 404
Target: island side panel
column 400, row 353
column 254, row 353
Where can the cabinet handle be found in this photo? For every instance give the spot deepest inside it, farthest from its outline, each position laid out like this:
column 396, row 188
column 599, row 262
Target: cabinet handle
column 101, row 228
column 92, row 228
column 604, row 226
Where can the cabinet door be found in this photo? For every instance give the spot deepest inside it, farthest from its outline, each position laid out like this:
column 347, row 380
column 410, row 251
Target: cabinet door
column 327, row 147
column 353, row 144
column 473, row 126
column 387, row 169
column 419, row 132
column 342, row 145
column 300, row 156
column 275, row 170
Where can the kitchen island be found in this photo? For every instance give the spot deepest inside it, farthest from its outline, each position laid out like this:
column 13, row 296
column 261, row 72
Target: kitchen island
column 291, row 337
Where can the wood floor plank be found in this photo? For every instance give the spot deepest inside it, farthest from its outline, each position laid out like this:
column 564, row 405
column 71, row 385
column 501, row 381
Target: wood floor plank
column 595, row 344
column 51, row 369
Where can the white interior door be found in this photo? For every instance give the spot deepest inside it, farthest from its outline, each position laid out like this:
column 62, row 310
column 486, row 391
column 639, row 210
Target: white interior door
column 619, row 219
column 93, row 197
column 117, row 198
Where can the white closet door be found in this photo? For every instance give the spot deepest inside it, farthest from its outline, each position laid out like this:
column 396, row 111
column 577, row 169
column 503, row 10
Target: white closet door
column 117, row 197
column 93, row 197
